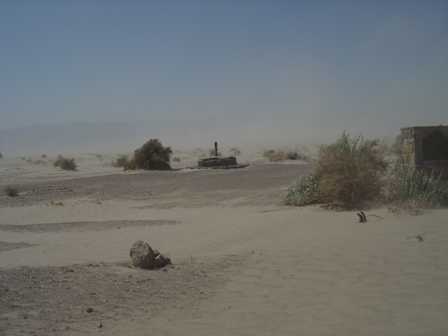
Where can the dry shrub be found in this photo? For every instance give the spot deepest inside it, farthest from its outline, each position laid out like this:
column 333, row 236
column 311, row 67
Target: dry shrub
column 350, row 171
column 151, row 156
column 121, row 162
column 11, row 191
column 348, row 174
column 276, row 155
column 65, row 163
column 296, row 155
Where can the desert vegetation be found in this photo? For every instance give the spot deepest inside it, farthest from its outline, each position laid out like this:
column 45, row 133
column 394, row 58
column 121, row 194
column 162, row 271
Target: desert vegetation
column 350, row 171
column 410, row 187
column 11, row 191
column 35, row 162
column 353, row 172
column 151, row 156
column 65, row 163
column 276, row 155
column 122, row 162
column 1, row 155
column 304, row 191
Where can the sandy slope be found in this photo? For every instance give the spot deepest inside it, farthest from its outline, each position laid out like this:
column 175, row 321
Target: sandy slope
column 244, row 264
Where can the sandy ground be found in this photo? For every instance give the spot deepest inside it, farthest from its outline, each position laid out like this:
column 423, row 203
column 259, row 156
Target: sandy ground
column 244, row 264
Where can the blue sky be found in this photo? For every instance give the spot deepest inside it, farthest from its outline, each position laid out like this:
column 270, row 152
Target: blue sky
column 263, row 69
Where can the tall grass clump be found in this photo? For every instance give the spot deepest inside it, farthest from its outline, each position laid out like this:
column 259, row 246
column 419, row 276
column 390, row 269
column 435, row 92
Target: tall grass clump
column 350, row 171
column 65, row 163
column 410, row 186
column 348, row 174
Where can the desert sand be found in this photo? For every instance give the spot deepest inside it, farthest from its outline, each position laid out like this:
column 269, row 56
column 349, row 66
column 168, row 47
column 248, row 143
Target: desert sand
column 243, row 263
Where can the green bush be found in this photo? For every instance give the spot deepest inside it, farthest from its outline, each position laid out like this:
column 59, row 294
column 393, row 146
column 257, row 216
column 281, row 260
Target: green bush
column 408, row 185
column 65, row 163
column 304, row 192
column 11, row 192
column 152, row 156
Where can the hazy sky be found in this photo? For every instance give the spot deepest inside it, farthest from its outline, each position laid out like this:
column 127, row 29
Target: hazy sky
column 285, row 69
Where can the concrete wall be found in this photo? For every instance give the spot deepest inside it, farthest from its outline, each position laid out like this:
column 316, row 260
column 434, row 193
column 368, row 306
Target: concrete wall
column 417, row 146
column 408, row 145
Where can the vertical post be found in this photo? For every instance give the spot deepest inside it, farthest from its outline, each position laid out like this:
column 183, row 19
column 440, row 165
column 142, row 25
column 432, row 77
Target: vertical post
column 216, row 148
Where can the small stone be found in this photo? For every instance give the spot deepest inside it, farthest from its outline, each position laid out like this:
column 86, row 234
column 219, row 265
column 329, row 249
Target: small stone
column 100, row 325
column 89, row 310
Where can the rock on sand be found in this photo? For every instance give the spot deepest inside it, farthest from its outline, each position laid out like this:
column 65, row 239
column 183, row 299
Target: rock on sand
column 143, row 256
